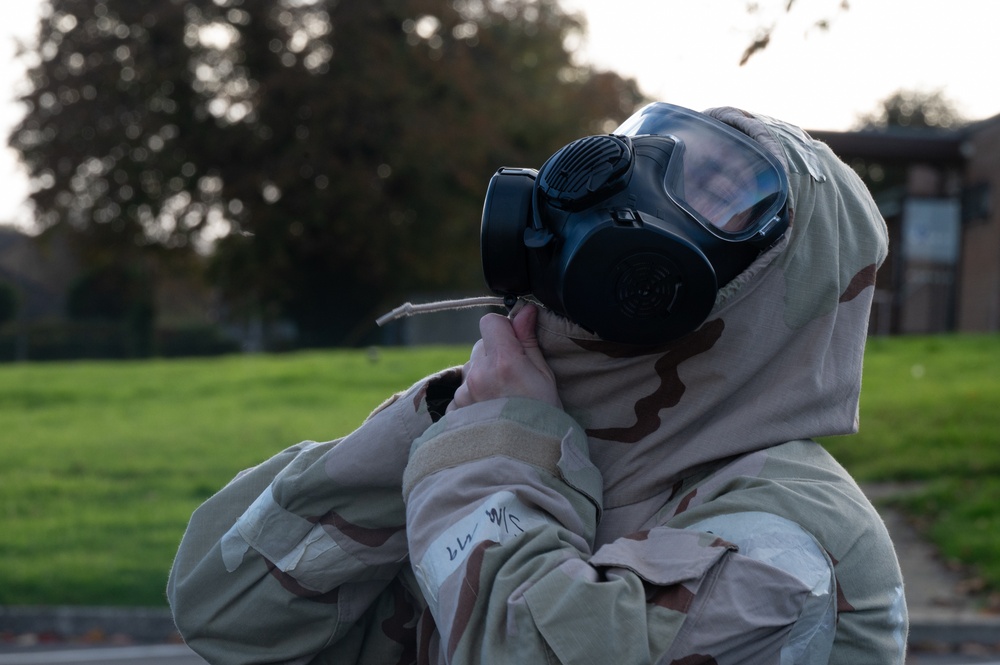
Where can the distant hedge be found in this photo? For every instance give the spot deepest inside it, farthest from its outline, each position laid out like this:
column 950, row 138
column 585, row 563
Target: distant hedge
column 76, row 340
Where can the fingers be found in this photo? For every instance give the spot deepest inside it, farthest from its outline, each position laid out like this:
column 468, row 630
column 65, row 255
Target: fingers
column 503, row 335
column 461, row 398
column 507, row 362
column 525, row 325
column 462, row 395
column 498, row 336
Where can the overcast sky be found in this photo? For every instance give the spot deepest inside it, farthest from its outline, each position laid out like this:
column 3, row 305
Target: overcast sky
column 17, row 20
column 687, row 52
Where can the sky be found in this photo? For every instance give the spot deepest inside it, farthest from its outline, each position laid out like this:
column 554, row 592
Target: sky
column 18, row 19
column 687, row 52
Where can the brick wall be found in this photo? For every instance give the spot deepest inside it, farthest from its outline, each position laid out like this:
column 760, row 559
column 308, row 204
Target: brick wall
column 978, row 306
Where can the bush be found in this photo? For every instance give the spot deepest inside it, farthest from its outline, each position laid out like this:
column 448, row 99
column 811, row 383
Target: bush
column 193, row 340
column 117, row 295
column 109, row 340
column 8, row 302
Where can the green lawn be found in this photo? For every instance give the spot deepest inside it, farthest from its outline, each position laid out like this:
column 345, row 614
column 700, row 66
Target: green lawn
column 930, row 414
column 101, row 464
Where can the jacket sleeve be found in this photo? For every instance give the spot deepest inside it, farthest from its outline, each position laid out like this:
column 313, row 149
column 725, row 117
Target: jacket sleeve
column 502, row 505
column 286, row 561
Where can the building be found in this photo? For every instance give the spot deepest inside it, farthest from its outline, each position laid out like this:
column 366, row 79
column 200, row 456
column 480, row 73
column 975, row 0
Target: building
column 943, row 214
column 39, row 272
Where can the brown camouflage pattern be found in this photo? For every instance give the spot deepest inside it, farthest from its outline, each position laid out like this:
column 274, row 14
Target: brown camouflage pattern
column 509, row 531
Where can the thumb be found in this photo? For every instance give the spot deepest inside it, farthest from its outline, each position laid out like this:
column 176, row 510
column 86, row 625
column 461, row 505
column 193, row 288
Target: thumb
column 524, row 324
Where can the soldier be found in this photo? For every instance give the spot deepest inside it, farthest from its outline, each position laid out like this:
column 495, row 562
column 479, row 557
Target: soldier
column 624, row 471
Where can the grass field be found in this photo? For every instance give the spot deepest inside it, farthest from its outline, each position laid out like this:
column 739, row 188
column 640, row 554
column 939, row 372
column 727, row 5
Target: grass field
column 930, row 414
column 101, row 464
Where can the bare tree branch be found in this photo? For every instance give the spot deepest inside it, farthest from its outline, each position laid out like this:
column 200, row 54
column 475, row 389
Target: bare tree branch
column 763, row 38
column 759, row 44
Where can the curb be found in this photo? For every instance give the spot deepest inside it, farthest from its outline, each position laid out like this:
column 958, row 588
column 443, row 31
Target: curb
column 156, row 626
column 142, row 625
column 954, row 631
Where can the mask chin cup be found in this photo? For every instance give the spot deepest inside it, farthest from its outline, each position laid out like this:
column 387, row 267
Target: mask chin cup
column 640, row 286
column 507, row 214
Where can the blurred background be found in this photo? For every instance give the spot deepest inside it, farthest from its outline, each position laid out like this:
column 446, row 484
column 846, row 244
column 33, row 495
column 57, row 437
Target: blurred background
column 191, row 177
column 228, row 177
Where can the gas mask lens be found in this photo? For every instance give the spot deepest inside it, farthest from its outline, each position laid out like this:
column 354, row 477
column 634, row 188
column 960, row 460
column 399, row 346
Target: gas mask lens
column 716, row 173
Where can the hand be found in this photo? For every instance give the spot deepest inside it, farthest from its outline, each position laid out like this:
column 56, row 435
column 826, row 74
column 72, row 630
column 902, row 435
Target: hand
column 507, row 362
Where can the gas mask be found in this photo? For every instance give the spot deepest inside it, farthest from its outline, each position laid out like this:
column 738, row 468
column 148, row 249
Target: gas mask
column 631, row 234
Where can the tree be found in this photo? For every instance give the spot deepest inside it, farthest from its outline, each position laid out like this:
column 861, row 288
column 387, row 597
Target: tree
column 762, row 39
column 915, row 109
column 903, row 109
column 330, row 156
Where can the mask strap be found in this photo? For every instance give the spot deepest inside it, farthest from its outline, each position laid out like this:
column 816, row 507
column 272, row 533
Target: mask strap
column 409, row 309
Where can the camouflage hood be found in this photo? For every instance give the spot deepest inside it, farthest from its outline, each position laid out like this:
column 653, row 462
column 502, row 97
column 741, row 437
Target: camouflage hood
column 778, row 359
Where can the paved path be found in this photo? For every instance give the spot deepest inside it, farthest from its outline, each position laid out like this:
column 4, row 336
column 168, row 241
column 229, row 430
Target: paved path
column 161, row 654
column 946, row 623
column 180, row 655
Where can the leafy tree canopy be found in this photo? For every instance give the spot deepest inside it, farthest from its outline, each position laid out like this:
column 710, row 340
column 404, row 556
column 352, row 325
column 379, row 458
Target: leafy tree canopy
column 913, row 108
column 329, row 155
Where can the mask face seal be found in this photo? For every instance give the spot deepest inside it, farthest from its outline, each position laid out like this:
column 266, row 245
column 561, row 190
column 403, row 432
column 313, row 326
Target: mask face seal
column 632, row 234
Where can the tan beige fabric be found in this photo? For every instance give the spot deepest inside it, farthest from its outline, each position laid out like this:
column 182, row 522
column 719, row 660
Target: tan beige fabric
column 674, row 513
column 778, row 359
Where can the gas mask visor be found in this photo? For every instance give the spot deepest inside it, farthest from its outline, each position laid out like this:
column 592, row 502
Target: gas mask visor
column 721, row 177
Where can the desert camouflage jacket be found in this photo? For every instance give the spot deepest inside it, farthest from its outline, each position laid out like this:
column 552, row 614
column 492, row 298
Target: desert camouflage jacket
column 675, row 511
column 497, row 554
